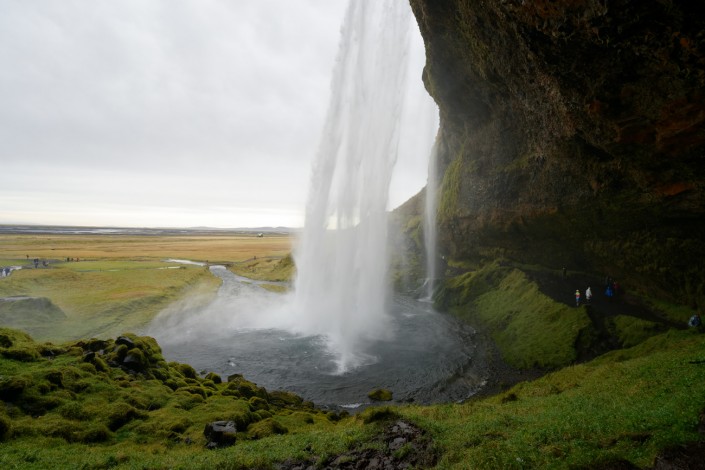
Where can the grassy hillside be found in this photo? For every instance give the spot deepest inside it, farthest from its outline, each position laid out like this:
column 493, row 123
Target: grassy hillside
column 627, row 405
column 85, row 405
column 115, row 402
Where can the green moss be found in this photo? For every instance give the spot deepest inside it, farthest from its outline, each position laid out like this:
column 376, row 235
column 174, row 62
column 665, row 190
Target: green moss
column 73, row 410
column 258, row 403
column 215, row 378
column 265, row 428
column 5, row 427
column 20, row 354
column 282, row 398
column 530, row 329
column 119, row 414
column 371, row 415
column 185, row 370
column 450, row 189
column 631, row 331
column 93, row 433
column 380, row 394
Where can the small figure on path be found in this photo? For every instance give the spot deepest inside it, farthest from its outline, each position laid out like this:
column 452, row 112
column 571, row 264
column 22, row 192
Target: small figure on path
column 36, row 263
column 577, row 298
column 588, row 294
column 609, row 292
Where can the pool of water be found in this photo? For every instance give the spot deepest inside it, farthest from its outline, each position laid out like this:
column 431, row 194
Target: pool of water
column 427, row 357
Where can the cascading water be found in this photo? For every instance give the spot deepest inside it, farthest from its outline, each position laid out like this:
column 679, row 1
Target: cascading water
column 341, row 307
column 341, row 288
column 430, row 231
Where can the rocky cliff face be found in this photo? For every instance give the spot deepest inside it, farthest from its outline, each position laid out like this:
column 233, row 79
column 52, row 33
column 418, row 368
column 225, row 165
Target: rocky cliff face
column 573, row 134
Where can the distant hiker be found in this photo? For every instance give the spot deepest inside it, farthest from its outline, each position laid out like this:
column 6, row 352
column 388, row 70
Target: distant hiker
column 36, row 263
column 695, row 321
column 588, row 294
column 609, row 292
column 565, row 273
column 577, row 298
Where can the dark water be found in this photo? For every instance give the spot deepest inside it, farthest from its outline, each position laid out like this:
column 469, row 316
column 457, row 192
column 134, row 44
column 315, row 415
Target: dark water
column 431, row 357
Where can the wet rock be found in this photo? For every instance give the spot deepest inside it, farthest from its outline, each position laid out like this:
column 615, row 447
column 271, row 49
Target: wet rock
column 400, row 433
column 380, row 394
column 220, row 434
column 124, row 340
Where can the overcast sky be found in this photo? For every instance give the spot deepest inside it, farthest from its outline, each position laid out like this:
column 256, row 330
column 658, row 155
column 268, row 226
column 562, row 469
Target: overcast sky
column 174, row 113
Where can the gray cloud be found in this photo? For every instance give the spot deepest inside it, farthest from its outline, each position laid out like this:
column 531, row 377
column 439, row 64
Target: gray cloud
column 188, row 109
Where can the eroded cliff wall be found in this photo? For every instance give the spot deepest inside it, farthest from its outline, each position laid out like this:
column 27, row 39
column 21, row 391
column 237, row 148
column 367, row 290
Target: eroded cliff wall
column 573, row 134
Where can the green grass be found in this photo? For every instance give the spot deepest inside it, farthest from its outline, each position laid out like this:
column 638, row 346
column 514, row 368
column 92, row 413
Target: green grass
column 73, row 412
column 632, row 331
column 629, row 404
column 100, row 298
column 530, row 329
column 66, row 412
column 266, row 269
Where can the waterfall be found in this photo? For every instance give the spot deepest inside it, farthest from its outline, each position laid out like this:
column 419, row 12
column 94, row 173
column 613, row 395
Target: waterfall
column 429, row 227
column 341, row 288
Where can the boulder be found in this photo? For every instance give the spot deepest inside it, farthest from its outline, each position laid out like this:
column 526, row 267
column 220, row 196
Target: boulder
column 126, row 341
column 380, row 394
column 220, row 434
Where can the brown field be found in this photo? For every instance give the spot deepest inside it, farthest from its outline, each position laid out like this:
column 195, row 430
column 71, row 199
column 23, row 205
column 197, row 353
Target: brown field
column 212, row 248
column 120, row 281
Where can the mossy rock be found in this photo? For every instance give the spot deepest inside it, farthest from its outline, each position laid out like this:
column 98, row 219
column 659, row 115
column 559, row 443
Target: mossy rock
column 5, row 340
column 372, row 415
column 184, row 369
column 94, row 433
column 257, row 403
column 285, row 399
column 380, row 394
column 12, row 387
column 262, row 414
column 121, row 413
column 185, row 400
column 247, row 389
column 195, row 390
column 135, row 360
column 21, row 353
column 5, row 427
column 335, row 417
column 73, row 410
column 266, row 428
column 215, row 378
column 303, row 417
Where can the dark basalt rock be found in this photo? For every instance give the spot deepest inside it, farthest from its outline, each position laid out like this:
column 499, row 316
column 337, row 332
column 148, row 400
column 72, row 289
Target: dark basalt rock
column 124, row 340
column 572, row 134
column 220, row 434
column 402, row 445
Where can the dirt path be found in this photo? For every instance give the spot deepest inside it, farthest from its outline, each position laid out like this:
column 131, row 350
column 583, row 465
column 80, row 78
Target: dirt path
column 563, row 289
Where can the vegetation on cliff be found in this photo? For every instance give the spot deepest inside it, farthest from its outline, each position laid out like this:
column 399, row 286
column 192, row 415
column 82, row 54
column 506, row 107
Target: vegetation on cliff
column 572, row 134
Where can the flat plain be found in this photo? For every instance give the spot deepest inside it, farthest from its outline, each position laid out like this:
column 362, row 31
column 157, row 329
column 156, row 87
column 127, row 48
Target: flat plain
column 105, row 285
